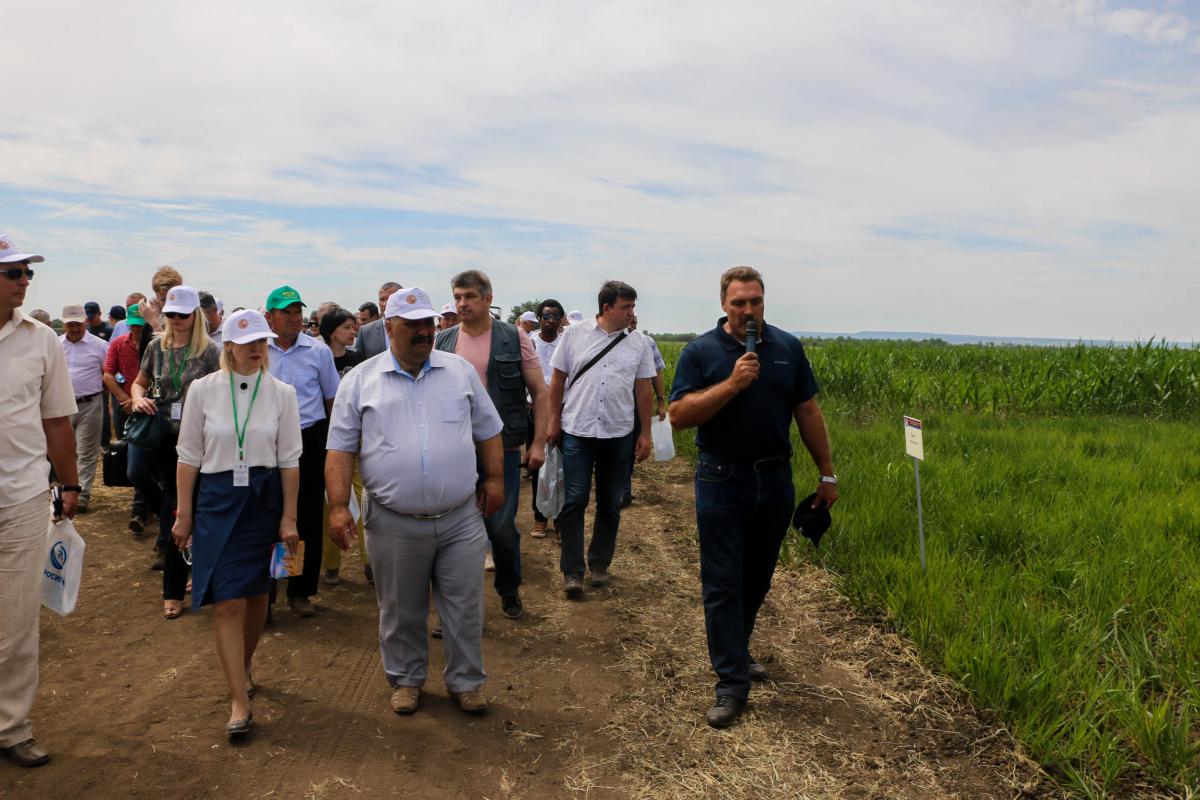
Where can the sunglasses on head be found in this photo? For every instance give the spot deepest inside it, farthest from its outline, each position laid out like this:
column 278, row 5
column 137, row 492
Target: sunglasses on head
column 176, row 315
column 15, row 273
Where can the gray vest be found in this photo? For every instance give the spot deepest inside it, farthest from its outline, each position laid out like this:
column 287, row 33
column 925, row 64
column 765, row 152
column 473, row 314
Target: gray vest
column 505, row 383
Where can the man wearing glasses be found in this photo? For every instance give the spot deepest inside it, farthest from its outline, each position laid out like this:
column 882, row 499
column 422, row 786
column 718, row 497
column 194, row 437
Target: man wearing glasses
column 553, row 318
column 36, row 401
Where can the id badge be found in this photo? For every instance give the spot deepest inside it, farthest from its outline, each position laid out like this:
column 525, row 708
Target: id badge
column 241, row 474
column 176, row 412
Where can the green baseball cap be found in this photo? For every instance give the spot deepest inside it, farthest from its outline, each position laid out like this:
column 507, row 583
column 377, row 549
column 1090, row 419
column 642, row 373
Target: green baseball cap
column 283, row 297
column 133, row 315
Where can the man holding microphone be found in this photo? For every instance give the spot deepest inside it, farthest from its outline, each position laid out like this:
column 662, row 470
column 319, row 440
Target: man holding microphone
column 741, row 384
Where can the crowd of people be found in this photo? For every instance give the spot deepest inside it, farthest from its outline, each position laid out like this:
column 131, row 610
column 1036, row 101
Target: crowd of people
column 403, row 427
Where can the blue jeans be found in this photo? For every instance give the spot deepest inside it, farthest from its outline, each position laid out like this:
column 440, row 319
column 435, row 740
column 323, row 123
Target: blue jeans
column 502, row 529
column 743, row 510
column 143, row 472
column 609, row 459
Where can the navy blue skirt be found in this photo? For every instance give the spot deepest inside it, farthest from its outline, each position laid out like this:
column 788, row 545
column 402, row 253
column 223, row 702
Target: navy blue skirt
column 234, row 530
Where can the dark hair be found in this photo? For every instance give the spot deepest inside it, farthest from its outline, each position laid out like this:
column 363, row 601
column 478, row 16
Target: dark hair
column 370, row 308
column 207, row 301
column 472, row 279
column 332, row 320
column 552, row 303
column 611, row 291
column 744, row 274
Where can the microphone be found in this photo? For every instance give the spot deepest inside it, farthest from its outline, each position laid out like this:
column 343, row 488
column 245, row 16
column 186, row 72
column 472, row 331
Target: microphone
column 751, row 335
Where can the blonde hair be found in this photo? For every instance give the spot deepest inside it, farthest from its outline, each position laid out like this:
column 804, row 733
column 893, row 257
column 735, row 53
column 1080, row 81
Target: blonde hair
column 200, row 338
column 227, row 357
column 166, row 277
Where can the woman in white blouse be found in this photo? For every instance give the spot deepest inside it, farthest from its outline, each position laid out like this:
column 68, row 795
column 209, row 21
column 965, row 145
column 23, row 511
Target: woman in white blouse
column 240, row 438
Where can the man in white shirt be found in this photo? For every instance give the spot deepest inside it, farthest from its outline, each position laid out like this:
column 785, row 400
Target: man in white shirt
column 602, row 370
column 85, row 354
column 420, row 420
column 553, row 319
column 212, row 316
column 36, row 403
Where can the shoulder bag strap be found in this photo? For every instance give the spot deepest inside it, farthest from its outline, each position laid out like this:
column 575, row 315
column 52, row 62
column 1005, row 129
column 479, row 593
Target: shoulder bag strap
column 599, row 356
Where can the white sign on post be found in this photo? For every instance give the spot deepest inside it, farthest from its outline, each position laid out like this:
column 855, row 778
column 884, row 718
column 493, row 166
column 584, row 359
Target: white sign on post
column 914, row 445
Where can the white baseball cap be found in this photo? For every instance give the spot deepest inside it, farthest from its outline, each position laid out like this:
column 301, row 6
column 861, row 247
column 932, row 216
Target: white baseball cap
column 575, row 316
column 220, row 306
column 410, row 303
column 450, row 308
column 181, row 300
column 529, row 316
column 74, row 313
column 245, row 326
column 10, row 253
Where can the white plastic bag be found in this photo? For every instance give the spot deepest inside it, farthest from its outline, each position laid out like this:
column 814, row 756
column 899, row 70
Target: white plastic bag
column 551, row 488
column 64, row 567
column 664, row 439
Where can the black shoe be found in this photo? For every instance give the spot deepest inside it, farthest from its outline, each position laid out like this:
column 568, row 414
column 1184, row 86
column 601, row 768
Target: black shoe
column 758, row 672
column 436, row 631
column 26, row 754
column 136, row 526
column 626, row 501
column 239, row 727
column 573, row 587
column 725, row 711
column 160, row 560
column 510, row 606
column 370, row 573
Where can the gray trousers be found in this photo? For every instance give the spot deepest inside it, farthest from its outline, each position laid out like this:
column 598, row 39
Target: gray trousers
column 22, row 558
column 409, row 556
column 87, row 423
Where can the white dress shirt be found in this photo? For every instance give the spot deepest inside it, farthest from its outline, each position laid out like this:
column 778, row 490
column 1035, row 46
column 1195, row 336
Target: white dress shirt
column 34, row 385
column 85, row 362
column 545, row 352
column 415, row 435
column 600, row 404
column 207, row 439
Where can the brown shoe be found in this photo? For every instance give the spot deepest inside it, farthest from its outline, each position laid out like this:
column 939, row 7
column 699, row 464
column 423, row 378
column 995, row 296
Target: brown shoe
column 539, row 529
column 301, row 607
column 472, row 701
column 600, row 577
column 27, row 754
column 405, row 699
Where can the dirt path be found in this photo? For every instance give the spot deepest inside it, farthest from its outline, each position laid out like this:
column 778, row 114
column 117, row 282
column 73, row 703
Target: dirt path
column 602, row 698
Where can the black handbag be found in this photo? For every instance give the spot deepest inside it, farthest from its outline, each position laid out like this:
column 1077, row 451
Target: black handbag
column 146, row 430
column 116, row 464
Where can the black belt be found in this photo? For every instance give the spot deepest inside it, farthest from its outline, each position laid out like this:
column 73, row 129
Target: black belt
column 87, row 398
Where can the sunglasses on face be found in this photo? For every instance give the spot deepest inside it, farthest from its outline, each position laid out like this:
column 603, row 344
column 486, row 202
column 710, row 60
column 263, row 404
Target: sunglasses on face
column 176, row 315
column 552, row 316
column 15, row 273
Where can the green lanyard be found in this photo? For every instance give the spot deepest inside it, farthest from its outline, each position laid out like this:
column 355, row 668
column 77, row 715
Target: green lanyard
column 177, row 370
column 241, row 430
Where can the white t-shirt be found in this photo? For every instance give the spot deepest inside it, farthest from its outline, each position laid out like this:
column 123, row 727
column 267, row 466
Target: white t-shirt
column 600, row 404
column 545, row 352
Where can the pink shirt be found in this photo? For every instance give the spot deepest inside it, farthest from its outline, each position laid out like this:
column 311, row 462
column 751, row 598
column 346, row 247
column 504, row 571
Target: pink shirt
column 478, row 350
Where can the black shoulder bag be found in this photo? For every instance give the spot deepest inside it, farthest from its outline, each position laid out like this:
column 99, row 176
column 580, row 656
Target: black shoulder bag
column 147, row 430
column 599, row 356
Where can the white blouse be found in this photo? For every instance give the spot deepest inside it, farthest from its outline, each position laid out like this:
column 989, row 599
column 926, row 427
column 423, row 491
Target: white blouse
column 206, row 436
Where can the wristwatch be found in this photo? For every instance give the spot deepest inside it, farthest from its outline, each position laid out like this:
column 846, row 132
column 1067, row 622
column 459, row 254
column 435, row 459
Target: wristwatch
column 829, row 479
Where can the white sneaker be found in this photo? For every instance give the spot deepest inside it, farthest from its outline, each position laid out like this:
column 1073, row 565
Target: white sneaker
column 488, row 564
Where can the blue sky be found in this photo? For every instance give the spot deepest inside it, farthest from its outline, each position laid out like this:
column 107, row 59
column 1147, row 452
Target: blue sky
column 1004, row 168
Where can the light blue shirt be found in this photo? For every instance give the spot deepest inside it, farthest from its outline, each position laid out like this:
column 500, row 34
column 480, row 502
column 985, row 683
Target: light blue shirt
column 120, row 329
column 415, row 435
column 308, row 366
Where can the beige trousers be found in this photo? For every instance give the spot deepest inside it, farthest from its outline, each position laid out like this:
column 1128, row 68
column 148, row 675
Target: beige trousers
column 22, row 558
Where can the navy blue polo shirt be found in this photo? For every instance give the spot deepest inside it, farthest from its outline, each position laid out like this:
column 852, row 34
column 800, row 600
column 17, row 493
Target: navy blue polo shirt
column 757, row 422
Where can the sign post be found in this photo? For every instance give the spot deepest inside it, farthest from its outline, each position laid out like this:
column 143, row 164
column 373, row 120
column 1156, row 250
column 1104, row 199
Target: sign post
column 914, row 445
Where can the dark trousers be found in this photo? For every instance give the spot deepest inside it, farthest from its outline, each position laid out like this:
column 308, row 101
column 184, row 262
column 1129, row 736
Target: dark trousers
column 742, row 512
column 627, row 486
column 143, row 471
column 502, row 529
column 175, row 569
column 310, row 508
column 141, row 508
column 608, row 459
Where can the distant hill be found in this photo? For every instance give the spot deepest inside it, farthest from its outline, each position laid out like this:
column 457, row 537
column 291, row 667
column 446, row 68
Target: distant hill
column 963, row 338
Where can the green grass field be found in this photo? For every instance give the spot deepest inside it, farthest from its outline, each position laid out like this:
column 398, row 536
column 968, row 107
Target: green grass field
column 1063, row 543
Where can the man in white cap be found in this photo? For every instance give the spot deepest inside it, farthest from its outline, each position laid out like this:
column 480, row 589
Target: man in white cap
column 528, row 322
column 420, row 420
column 36, row 402
column 85, row 353
column 574, row 317
column 449, row 317
column 372, row 337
